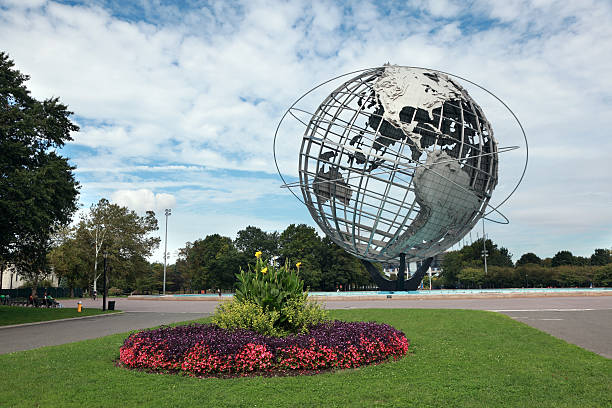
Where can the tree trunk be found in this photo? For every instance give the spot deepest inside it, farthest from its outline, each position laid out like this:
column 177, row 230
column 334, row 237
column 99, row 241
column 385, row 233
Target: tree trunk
column 34, row 287
column 95, row 281
column 71, row 291
column 2, row 266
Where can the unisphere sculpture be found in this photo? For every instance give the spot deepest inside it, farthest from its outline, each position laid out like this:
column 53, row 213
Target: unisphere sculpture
column 398, row 162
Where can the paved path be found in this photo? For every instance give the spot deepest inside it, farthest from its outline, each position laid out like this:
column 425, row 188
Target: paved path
column 585, row 321
column 67, row 331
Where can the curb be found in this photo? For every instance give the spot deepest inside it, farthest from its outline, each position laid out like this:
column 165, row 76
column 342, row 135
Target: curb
column 60, row 320
column 396, row 296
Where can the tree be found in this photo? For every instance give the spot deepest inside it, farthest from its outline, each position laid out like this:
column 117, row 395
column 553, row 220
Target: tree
column 253, row 239
column 70, row 261
column 471, row 256
column 123, row 235
column 562, row 258
column 474, row 276
column 211, row 262
column 451, row 267
column 338, row 267
column 601, row 256
column 38, row 191
column 301, row 243
column 31, row 259
column 581, row 260
column 528, row 258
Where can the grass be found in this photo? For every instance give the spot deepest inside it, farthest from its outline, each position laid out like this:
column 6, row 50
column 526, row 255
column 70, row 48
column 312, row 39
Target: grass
column 458, row 358
column 19, row 314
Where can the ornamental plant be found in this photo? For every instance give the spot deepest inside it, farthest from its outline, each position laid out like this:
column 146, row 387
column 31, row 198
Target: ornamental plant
column 208, row 350
column 270, row 300
column 268, row 286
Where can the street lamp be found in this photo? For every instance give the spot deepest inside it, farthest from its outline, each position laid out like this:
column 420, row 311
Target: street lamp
column 168, row 212
column 104, row 283
column 484, row 245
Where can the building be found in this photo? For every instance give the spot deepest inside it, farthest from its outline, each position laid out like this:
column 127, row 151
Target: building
column 12, row 280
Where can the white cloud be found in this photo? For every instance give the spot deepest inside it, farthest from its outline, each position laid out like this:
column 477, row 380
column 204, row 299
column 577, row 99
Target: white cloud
column 169, row 101
column 143, row 200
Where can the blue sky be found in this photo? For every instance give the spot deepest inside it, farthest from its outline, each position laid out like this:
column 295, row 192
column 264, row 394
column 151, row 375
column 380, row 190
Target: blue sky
column 178, row 101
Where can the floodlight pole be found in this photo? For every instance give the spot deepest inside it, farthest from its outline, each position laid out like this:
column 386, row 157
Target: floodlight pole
column 167, row 212
column 484, row 245
column 104, row 283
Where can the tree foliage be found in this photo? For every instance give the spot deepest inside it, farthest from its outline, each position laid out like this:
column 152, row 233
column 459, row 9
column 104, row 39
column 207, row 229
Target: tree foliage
column 471, row 256
column 38, row 191
column 123, row 235
column 301, row 243
column 528, row 258
column 71, row 261
column 253, row 239
column 338, row 267
column 563, row 258
column 601, row 256
column 210, row 263
column 461, row 269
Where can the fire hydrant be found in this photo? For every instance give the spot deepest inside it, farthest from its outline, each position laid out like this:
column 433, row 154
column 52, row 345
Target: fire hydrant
column 79, row 307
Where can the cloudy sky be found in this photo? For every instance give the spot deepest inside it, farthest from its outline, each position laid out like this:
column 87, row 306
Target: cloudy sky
column 178, row 101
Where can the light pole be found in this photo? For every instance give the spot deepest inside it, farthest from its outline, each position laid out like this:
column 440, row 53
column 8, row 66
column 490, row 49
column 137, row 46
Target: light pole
column 168, row 212
column 484, row 245
column 104, row 283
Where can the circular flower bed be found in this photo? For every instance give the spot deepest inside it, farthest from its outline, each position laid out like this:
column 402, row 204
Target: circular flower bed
column 208, row 350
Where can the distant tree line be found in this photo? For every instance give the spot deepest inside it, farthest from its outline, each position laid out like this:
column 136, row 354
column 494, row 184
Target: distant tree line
column 212, row 262
column 465, row 269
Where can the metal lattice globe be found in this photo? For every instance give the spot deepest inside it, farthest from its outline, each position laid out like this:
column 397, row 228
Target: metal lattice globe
column 397, row 160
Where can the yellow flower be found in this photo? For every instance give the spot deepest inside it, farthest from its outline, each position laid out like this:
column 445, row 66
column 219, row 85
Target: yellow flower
column 298, row 265
column 264, row 270
column 258, row 254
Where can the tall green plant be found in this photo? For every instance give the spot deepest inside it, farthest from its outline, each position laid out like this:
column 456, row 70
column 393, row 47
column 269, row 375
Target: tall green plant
column 270, row 300
column 269, row 286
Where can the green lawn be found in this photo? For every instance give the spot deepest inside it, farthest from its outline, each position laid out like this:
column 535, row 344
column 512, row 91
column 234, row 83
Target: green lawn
column 458, row 358
column 19, row 314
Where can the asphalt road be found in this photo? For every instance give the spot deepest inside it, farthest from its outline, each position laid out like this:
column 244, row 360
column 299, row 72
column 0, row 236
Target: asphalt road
column 67, row 331
column 589, row 329
column 585, row 321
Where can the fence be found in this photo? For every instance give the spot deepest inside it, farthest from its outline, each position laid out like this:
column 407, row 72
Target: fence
column 54, row 292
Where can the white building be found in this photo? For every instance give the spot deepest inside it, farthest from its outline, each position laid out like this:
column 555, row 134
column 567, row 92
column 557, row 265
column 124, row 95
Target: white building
column 12, row 280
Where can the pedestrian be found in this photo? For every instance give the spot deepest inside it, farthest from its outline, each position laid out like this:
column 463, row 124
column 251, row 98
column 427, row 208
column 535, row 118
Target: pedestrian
column 95, row 294
column 219, row 292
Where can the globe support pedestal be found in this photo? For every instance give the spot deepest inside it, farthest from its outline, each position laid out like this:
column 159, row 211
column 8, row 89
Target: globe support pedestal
column 400, row 284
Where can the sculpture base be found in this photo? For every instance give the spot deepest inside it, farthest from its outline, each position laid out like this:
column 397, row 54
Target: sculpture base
column 400, row 284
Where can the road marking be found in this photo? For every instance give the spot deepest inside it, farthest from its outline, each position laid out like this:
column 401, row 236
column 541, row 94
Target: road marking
column 543, row 310
column 166, row 312
column 548, row 319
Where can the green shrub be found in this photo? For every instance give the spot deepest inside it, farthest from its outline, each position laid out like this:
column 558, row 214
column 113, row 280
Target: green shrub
column 298, row 315
column 246, row 315
column 603, row 276
column 302, row 314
